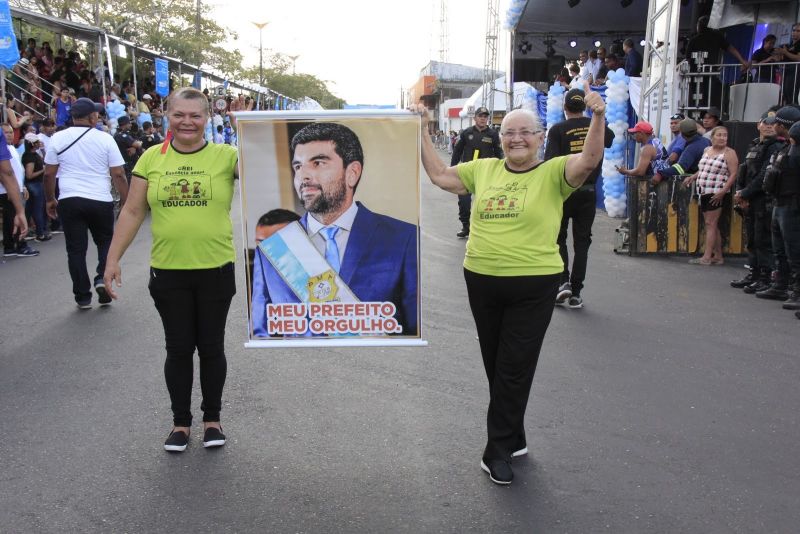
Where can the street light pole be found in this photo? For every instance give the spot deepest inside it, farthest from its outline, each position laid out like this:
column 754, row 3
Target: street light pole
column 294, row 60
column 260, row 26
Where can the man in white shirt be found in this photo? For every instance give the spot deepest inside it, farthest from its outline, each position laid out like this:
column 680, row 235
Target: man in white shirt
column 86, row 161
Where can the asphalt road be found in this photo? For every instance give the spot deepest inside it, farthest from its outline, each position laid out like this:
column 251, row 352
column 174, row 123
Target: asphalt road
column 668, row 404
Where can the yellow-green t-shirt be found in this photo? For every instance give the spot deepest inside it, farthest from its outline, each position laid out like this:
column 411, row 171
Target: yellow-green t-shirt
column 515, row 217
column 190, row 196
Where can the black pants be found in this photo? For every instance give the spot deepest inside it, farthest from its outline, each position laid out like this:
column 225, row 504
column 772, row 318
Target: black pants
column 580, row 207
column 193, row 305
column 78, row 215
column 758, row 223
column 511, row 315
column 464, row 208
column 10, row 242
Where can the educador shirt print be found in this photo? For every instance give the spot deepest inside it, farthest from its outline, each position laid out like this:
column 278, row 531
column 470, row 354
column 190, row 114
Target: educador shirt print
column 190, row 196
column 515, row 217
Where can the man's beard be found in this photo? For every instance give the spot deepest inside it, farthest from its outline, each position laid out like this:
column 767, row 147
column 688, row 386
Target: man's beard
column 327, row 201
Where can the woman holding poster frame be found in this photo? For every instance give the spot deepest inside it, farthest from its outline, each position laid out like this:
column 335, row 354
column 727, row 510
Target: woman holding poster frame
column 512, row 263
column 188, row 185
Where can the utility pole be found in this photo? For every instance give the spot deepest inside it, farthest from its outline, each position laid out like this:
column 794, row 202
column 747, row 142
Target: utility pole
column 490, row 55
column 260, row 26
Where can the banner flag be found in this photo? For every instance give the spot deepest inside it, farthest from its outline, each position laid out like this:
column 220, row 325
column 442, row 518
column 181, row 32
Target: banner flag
column 9, row 53
column 162, row 77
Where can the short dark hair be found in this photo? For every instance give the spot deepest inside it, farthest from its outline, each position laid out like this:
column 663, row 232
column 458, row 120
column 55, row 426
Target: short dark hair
column 47, row 122
column 277, row 216
column 769, row 37
column 345, row 141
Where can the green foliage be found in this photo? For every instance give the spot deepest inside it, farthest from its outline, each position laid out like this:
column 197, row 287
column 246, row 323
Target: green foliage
column 277, row 76
column 173, row 28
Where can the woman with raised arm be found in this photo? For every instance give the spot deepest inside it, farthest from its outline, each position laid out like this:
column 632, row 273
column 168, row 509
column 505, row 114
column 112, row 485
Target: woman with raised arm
column 512, row 265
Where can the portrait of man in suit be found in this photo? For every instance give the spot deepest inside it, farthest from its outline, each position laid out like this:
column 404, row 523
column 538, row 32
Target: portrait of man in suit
column 373, row 254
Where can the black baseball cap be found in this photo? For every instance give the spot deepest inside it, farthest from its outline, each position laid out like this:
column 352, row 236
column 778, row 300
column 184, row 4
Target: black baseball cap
column 787, row 115
column 83, row 107
column 768, row 117
column 573, row 100
column 481, row 111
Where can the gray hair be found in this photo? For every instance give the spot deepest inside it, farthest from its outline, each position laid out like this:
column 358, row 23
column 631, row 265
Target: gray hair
column 536, row 124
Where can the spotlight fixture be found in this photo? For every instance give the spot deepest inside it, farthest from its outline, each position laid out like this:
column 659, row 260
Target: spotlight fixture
column 625, row 3
column 573, row 3
column 549, row 51
column 597, row 44
column 642, row 43
column 573, row 43
column 524, row 47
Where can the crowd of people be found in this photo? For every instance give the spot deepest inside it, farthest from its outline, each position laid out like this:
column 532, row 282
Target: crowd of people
column 42, row 89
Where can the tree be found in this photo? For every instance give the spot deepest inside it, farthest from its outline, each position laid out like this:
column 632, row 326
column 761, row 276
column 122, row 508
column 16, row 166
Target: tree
column 278, row 78
column 170, row 27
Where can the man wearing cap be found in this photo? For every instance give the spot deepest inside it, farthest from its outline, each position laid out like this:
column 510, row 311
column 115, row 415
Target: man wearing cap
column 143, row 105
column 750, row 198
column 86, row 161
column 129, row 146
column 782, row 183
column 565, row 138
column 678, row 142
column 476, row 142
column 711, row 119
column 653, row 157
column 691, row 155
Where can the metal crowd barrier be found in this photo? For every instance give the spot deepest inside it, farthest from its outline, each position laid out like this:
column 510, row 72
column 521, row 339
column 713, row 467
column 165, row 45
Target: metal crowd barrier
column 666, row 219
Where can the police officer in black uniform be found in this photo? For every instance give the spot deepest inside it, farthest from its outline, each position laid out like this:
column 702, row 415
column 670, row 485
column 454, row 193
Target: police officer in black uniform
column 476, row 142
column 757, row 207
column 129, row 146
column 782, row 182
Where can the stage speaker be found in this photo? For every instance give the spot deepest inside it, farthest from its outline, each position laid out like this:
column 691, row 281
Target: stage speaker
column 739, row 136
column 537, row 69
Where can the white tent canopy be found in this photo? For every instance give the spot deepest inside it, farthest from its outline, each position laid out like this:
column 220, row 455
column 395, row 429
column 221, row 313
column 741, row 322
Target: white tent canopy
column 476, row 100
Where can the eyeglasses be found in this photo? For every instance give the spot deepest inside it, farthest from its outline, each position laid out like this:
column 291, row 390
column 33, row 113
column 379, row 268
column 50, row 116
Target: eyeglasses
column 525, row 134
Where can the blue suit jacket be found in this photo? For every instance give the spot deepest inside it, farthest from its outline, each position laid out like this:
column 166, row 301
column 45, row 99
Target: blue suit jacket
column 379, row 264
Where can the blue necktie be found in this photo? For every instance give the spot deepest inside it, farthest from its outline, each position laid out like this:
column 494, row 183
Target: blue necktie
column 331, row 248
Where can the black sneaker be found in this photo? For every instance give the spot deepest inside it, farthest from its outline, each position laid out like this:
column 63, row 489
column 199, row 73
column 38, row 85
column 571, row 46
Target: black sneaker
column 520, row 452
column 102, row 294
column 564, row 293
column 745, row 281
column 27, row 252
column 575, row 302
column 464, row 233
column 176, row 441
column 774, row 292
column 793, row 302
column 56, row 231
column 755, row 287
column 213, row 437
column 499, row 471
column 84, row 305
column 9, row 253
column 43, row 238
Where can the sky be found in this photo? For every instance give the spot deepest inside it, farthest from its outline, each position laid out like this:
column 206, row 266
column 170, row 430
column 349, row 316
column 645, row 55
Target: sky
column 365, row 49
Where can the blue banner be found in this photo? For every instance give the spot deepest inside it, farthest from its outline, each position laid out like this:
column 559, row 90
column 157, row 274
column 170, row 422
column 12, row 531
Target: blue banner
column 162, row 77
column 9, row 54
column 198, row 79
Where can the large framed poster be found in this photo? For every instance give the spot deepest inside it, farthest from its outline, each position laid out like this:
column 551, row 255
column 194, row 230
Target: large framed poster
column 330, row 217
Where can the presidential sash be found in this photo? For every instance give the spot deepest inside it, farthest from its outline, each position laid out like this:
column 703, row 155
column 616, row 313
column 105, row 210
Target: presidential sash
column 303, row 267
